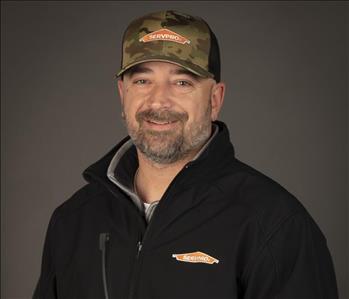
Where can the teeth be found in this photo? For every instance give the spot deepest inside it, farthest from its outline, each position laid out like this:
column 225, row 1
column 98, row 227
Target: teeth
column 160, row 123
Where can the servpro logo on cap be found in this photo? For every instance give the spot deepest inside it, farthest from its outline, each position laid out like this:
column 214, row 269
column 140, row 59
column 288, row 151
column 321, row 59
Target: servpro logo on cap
column 196, row 257
column 165, row 34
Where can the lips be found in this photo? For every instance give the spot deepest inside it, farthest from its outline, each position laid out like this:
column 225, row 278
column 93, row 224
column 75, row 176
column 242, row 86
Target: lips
column 160, row 125
column 161, row 119
column 157, row 122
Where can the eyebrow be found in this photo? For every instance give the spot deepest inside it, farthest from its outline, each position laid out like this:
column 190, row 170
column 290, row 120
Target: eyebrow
column 137, row 69
column 183, row 71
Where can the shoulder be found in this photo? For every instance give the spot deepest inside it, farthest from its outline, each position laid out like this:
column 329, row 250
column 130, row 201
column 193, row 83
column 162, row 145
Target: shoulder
column 263, row 199
column 83, row 199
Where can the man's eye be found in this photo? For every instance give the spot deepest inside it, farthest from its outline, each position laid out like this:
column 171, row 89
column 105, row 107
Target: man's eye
column 140, row 81
column 183, row 83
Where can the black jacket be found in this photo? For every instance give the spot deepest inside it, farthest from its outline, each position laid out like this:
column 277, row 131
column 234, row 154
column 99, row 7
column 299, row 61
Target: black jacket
column 221, row 230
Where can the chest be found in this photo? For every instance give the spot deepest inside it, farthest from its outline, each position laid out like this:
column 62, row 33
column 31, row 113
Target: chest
column 198, row 252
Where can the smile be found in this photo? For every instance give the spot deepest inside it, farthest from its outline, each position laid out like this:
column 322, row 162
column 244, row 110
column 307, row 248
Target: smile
column 160, row 125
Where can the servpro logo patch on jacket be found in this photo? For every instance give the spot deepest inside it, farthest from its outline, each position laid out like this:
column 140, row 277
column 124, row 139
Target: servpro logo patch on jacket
column 195, row 257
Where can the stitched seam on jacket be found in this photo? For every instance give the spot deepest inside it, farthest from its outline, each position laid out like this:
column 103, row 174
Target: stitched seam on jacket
column 267, row 237
column 272, row 233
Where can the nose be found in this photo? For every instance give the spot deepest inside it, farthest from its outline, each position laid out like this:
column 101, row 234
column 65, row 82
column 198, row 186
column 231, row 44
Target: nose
column 160, row 96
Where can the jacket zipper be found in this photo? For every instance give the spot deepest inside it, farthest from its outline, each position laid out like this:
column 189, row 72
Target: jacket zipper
column 137, row 265
column 103, row 239
column 139, row 248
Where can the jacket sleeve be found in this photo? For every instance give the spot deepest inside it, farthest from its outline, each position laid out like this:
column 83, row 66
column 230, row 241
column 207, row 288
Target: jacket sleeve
column 293, row 263
column 46, row 286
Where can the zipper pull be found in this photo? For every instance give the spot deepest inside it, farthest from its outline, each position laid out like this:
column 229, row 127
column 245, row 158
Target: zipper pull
column 103, row 239
column 139, row 248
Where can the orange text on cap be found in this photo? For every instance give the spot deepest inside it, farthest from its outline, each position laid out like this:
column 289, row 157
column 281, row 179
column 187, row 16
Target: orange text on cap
column 165, row 34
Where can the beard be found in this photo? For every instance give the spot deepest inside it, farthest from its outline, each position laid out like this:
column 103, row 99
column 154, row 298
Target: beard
column 174, row 144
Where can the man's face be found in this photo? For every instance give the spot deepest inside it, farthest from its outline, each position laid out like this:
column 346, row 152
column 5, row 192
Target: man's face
column 168, row 110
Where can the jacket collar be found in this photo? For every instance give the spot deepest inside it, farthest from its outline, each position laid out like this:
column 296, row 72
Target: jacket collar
column 124, row 164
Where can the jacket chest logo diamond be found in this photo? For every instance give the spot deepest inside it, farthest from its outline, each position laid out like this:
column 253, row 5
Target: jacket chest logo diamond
column 165, row 34
column 195, row 257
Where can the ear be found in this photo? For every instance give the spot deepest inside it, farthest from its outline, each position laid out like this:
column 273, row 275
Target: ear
column 217, row 98
column 121, row 88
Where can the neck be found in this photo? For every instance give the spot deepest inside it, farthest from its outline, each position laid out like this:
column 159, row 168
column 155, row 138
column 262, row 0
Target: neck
column 153, row 179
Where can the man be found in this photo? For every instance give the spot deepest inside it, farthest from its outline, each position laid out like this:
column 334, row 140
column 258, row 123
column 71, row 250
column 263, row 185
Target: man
column 169, row 212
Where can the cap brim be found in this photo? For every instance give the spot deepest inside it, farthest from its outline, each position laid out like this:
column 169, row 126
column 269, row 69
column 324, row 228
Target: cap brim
column 187, row 65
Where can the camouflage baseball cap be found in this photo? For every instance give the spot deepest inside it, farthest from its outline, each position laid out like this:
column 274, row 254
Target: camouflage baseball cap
column 174, row 37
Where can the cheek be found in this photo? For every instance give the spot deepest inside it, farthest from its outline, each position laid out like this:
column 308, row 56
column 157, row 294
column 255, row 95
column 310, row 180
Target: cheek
column 199, row 111
column 131, row 106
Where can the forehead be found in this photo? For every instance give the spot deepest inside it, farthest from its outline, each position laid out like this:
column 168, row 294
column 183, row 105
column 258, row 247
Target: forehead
column 160, row 66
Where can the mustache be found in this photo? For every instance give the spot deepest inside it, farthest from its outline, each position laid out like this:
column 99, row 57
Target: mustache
column 162, row 115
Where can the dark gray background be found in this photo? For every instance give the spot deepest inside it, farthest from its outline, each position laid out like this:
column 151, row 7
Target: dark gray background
column 285, row 65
